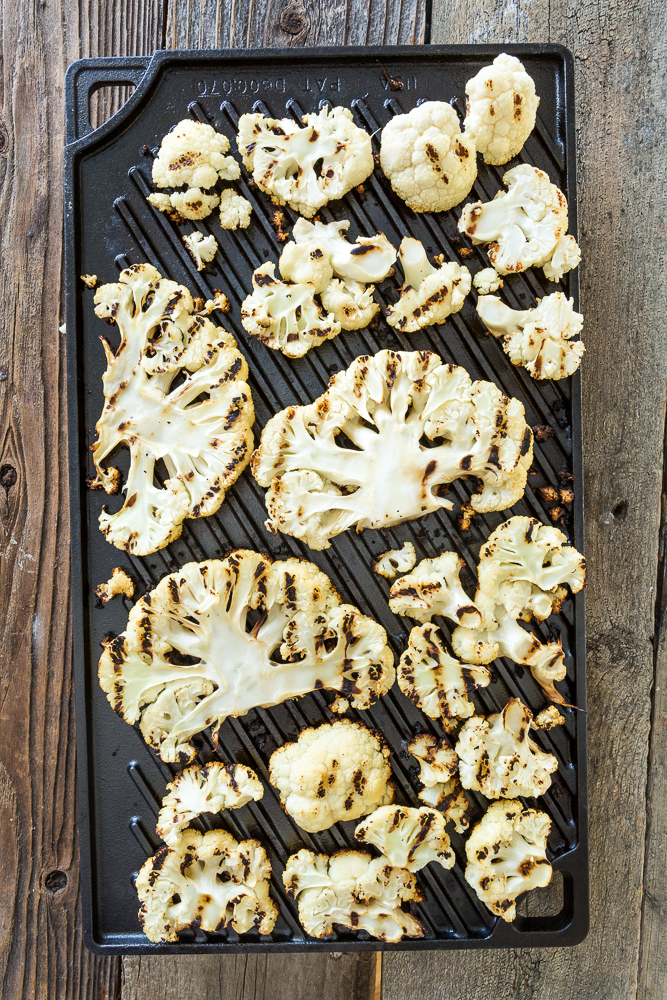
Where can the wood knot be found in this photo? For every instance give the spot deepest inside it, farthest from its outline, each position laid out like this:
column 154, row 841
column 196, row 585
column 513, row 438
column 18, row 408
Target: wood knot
column 8, row 476
column 56, row 881
column 292, row 18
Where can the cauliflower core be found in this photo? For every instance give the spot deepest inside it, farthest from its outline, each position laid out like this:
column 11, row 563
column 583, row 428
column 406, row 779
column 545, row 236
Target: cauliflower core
column 429, row 294
column 435, row 589
column 352, row 890
column 385, row 406
column 431, row 166
column 438, row 774
column 120, row 583
column 336, row 772
column 395, row 561
column 408, row 838
column 202, row 248
column 207, row 788
column 190, row 657
column 305, row 166
column 507, row 855
column 204, row 444
column 501, row 108
column 208, row 881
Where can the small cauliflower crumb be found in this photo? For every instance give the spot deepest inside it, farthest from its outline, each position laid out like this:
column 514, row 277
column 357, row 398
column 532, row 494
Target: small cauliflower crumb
column 235, row 211
column 89, row 280
column 501, row 109
column 120, row 583
column 548, row 718
column 160, row 201
column 219, row 301
column 396, row 561
column 203, row 248
column 487, row 281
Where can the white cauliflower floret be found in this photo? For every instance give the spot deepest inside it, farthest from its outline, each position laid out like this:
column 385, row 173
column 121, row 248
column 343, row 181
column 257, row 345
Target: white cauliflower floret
column 540, row 339
column 438, row 774
column 209, row 881
column 498, row 494
column 303, row 639
column 434, row 588
column 350, row 303
column 203, row 248
column 286, row 318
column 351, row 889
column 548, row 718
column 498, row 757
column 396, row 561
column 409, row 838
column 434, row 681
column 193, row 203
column 367, row 261
column 235, row 210
column 207, row 788
column 487, row 281
column 283, row 156
column 336, row 772
column 430, row 164
column 204, row 444
column 384, row 405
column 306, row 262
column 501, row 107
column 120, row 583
column 429, row 294
column 566, row 257
column 523, row 224
column 507, row 855
column 162, row 202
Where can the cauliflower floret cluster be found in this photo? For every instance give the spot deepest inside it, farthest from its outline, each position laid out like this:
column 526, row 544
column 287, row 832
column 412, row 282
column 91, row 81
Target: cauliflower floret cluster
column 202, row 248
column 235, row 211
column 409, row 838
column 304, row 638
column 351, row 889
column 430, row 164
column 501, row 108
column 120, row 583
column 209, row 881
column 438, row 775
column 487, row 281
column 395, row 561
column 434, row 588
column 207, row 788
column 204, row 444
column 336, row 772
column 429, row 294
column 385, row 406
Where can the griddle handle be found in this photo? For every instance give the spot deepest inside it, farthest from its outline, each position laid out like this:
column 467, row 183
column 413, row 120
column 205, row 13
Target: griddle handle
column 86, row 79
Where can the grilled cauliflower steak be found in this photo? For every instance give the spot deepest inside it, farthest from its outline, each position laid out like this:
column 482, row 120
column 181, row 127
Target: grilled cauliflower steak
column 438, row 774
column 501, row 109
column 385, row 406
column 208, row 881
column 207, row 788
column 430, row 164
column 429, row 294
column 507, row 855
column 409, row 838
column 434, row 588
column 395, row 561
column 205, row 445
column 539, row 339
column 338, row 771
column 305, row 166
column 351, row 889
column 303, row 639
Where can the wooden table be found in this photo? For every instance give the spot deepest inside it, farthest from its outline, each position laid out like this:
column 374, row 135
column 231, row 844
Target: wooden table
column 621, row 76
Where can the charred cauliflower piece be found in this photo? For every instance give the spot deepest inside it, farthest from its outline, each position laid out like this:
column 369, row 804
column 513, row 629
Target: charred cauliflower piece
column 409, row 838
column 487, row 281
column 338, row 771
column 430, row 164
column 501, row 109
column 303, row 639
column 395, row 561
column 351, row 889
column 434, row 588
column 205, row 445
column 202, row 248
column 120, row 583
column 548, row 718
column 429, row 294
column 367, row 261
column 208, row 881
column 207, row 788
column 438, row 774
column 305, row 166
column 507, row 855
column 235, row 211
column 385, row 406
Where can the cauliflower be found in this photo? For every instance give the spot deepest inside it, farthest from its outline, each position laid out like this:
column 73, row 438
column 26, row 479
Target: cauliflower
column 507, row 855
column 208, row 881
column 89, row 280
column 204, row 444
column 350, row 303
column 540, row 339
column 435, row 589
column 408, row 838
column 501, row 107
column 396, row 561
column 498, row 757
column 431, row 166
column 435, row 682
column 498, row 494
column 336, row 772
column 565, row 258
column 120, row 583
column 207, row 788
column 235, row 211
column 524, row 225
column 367, row 261
column 202, row 248
column 487, row 281
column 191, row 204
column 305, row 263
column 438, row 774
column 351, row 889
column 305, row 167
column 548, row 718
column 429, row 295
column 303, row 639
column 285, row 317
column 384, row 405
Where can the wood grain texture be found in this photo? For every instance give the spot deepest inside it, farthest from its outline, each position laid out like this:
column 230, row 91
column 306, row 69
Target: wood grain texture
column 620, row 51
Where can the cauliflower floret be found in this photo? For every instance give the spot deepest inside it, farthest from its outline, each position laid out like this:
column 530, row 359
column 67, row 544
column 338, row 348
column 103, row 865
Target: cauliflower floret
column 435, row 589
column 306, row 262
column 194, row 203
column 192, row 154
column 350, row 303
column 209, row 881
column 507, row 855
column 408, row 838
column 430, row 164
column 207, row 788
column 565, row 258
column 162, row 202
column 501, row 107
column 336, row 772
column 438, row 774
column 523, row 224
column 487, row 281
column 429, row 295
column 548, row 718
column 499, row 494
column 286, row 318
column 203, row 248
column 120, row 583
column 351, row 889
column 434, row 681
column 396, row 561
column 283, row 156
column 367, row 261
column 303, row 639
column 539, row 338
column 235, row 210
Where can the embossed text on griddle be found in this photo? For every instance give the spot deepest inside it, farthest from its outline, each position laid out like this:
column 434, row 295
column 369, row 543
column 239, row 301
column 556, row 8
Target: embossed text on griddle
column 226, row 86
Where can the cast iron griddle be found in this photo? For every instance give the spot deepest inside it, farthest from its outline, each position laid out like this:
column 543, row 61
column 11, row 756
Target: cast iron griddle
column 109, row 225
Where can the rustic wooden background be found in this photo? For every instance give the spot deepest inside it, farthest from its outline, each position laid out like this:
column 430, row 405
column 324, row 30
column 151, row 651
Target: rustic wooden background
column 621, row 76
